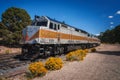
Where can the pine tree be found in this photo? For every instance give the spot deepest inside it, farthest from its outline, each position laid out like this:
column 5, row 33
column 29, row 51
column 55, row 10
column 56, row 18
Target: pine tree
column 13, row 21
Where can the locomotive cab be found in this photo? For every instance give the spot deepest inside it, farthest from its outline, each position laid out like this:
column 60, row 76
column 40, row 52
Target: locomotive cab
column 31, row 33
column 40, row 21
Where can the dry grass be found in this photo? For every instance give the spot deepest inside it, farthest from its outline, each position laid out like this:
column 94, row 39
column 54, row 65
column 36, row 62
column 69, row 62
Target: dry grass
column 7, row 50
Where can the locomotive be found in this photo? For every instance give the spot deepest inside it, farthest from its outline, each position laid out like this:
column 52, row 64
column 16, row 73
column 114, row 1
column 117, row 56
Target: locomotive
column 47, row 36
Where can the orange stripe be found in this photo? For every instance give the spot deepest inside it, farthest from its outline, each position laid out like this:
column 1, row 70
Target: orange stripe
column 47, row 34
column 51, row 34
column 36, row 35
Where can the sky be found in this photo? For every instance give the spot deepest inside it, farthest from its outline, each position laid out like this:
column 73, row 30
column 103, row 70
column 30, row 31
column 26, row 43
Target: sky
column 93, row 16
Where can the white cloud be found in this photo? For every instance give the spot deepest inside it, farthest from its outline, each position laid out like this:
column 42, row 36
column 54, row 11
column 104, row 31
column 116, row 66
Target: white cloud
column 118, row 12
column 97, row 34
column 111, row 22
column 111, row 26
column 110, row 16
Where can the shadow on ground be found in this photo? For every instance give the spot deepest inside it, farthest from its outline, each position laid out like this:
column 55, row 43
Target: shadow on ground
column 117, row 53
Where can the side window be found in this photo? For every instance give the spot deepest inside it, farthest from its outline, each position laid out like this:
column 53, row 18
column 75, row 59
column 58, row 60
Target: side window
column 58, row 26
column 55, row 27
column 77, row 30
column 51, row 26
column 64, row 26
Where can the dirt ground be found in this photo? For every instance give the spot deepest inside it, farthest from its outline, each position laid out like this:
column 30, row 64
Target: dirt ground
column 101, row 65
column 7, row 50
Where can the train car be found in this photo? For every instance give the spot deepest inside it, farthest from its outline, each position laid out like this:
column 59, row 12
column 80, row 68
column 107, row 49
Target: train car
column 47, row 36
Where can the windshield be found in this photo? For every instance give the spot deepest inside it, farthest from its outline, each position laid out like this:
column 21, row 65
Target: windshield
column 40, row 23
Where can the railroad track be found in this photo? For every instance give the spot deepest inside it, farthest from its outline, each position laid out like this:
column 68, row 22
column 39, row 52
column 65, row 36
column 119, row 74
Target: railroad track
column 9, row 62
column 10, row 66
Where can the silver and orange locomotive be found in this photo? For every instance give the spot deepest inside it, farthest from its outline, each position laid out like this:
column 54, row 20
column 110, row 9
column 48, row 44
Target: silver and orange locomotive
column 46, row 36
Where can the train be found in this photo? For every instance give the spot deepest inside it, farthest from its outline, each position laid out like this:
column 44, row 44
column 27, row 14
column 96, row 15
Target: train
column 47, row 36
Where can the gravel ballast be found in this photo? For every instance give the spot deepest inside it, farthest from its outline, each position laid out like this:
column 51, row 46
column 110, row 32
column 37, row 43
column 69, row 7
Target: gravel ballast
column 101, row 65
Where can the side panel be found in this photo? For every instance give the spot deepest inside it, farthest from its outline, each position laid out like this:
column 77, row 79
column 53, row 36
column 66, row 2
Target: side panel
column 51, row 37
column 48, row 36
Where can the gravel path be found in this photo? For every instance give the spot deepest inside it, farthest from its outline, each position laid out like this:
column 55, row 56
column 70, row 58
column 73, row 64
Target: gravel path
column 102, row 65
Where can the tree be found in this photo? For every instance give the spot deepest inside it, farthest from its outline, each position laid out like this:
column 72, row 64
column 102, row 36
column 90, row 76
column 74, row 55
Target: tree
column 2, row 28
column 117, row 33
column 111, row 36
column 15, row 19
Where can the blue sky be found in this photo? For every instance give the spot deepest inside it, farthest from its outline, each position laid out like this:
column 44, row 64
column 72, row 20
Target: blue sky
column 93, row 16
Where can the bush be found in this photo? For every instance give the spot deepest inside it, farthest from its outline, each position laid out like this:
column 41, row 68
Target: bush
column 93, row 50
column 86, row 50
column 77, row 55
column 8, row 51
column 71, row 56
column 54, row 63
column 2, row 78
column 37, row 69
